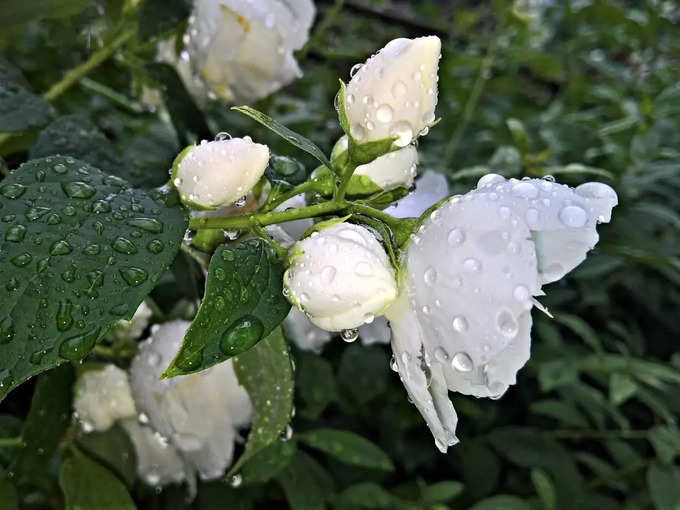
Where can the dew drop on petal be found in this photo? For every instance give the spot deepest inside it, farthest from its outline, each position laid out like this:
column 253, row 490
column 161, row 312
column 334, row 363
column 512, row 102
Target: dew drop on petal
column 384, row 113
column 430, row 276
column 573, row 216
column 456, row 237
column 349, row 335
column 461, row 362
column 507, row 324
column 460, row 324
column 472, row 265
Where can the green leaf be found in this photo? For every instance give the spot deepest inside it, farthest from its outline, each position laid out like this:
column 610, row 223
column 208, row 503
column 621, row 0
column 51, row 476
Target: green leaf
column 544, row 488
column 307, row 485
column 243, row 303
column 159, row 16
column 363, row 153
column 666, row 442
column 77, row 136
column 441, row 492
column 363, row 372
column 8, row 495
column 519, row 134
column 285, row 170
column 621, row 388
column 18, row 12
column 114, row 450
column 290, row 136
column 315, row 383
column 187, row 118
column 51, row 401
column 88, row 486
column 20, row 109
column 266, row 372
column 664, row 486
column 502, row 502
column 80, row 250
column 348, row 447
column 367, row 495
column 359, row 185
column 268, row 463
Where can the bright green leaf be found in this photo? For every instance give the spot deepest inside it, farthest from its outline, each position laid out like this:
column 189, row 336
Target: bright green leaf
column 80, row 251
column 243, row 303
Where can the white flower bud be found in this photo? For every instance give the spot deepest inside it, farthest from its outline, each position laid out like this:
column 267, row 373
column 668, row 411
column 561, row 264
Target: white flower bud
column 102, row 397
column 198, row 413
column 218, row 173
column 471, row 270
column 394, row 93
column 340, row 277
column 132, row 329
column 431, row 187
column 243, row 50
column 392, row 170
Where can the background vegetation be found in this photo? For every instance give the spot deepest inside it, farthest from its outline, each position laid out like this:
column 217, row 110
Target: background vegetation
column 579, row 89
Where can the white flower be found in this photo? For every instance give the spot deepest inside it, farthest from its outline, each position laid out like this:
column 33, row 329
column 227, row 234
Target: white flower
column 377, row 332
column 102, row 397
column 200, row 413
column 462, row 321
column 340, row 277
column 158, row 462
column 392, row 170
column 220, row 172
column 431, row 187
column 132, row 329
column 394, row 93
column 305, row 335
column 242, row 49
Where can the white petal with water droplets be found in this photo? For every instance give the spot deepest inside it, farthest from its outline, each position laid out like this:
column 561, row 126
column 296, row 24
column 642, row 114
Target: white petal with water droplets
column 340, row 277
column 394, row 94
column 431, row 187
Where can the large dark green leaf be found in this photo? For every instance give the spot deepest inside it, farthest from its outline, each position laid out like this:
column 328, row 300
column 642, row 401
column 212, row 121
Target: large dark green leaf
column 348, row 447
column 268, row 463
column 266, row 373
column 52, row 398
column 77, row 136
column 243, row 303
column 307, row 485
column 88, row 485
column 664, row 486
column 8, row 495
column 186, row 116
column 316, row 385
column 20, row 109
column 114, row 449
column 79, row 250
column 17, row 12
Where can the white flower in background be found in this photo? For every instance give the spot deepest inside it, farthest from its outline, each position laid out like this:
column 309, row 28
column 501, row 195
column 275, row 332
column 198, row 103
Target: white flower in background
column 392, row 170
column 394, row 93
column 218, row 173
column 243, row 49
column 132, row 329
column 377, row 332
column 198, row 414
column 158, row 462
column 305, row 335
column 431, row 187
column 340, row 277
column 462, row 321
column 102, row 397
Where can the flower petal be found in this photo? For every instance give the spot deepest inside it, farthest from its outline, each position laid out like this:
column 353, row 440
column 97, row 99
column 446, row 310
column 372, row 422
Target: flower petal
column 431, row 187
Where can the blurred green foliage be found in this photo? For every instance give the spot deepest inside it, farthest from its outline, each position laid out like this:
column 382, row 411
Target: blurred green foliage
column 578, row 89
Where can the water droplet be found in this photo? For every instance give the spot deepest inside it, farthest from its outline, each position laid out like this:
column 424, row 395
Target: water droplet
column 228, row 256
column 393, row 364
column 59, row 168
column 241, row 335
column 15, row 234
column 399, row 89
column 119, row 310
column 77, row 347
column 328, row 274
column 507, row 324
column 64, row 317
column 462, row 362
column 125, row 246
column 12, row 191
column 92, row 249
column 357, row 131
column 363, row 269
column 133, row 276
column 460, row 324
column 355, row 69
column 22, row 259
column 155, row 246
column 472, row 265
column 403, row 132
column 35, row 213
column 236, row 480
column 42, row 265
column 384, row 113
column 521, row 293
column 60, row 248
column 78, row 189
column 37, row 357
column 96, row 278
column 441, row 355
column 430, row 276
column 6, row 330
column 490, row 180
column 349, row 335
column 532, row 217
column 149, row 224
column 220, row 274
column 456, row 237
column 525, row 189
column 573, row 216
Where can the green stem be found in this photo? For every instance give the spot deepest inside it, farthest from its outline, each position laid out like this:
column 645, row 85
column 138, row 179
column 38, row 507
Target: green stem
column 297, row 190
column 346, row 173
column 111, row 94
column 375, row 213
column 95, row 60
column 11, row 442
column 280, row 250
column 621, row 473
column 471, row 104
column 248, row 221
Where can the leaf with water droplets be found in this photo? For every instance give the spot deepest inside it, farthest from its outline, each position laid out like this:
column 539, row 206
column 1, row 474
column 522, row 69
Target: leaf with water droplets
column 290, row 136
column 266, row 372
column 77, row 244
column 243, row 303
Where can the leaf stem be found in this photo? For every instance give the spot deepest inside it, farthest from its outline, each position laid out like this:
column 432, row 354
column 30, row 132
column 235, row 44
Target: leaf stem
column 306, row 186
column 95, row 60
column 11, row 442
column 347, row 173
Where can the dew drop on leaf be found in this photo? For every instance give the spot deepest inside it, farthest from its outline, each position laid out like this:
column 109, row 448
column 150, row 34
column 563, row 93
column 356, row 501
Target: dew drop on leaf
column 133, row 276
column 241, row 335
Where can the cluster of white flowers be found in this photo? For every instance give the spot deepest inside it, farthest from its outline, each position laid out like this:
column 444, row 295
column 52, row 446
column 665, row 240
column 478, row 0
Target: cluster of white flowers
column 180, row 427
